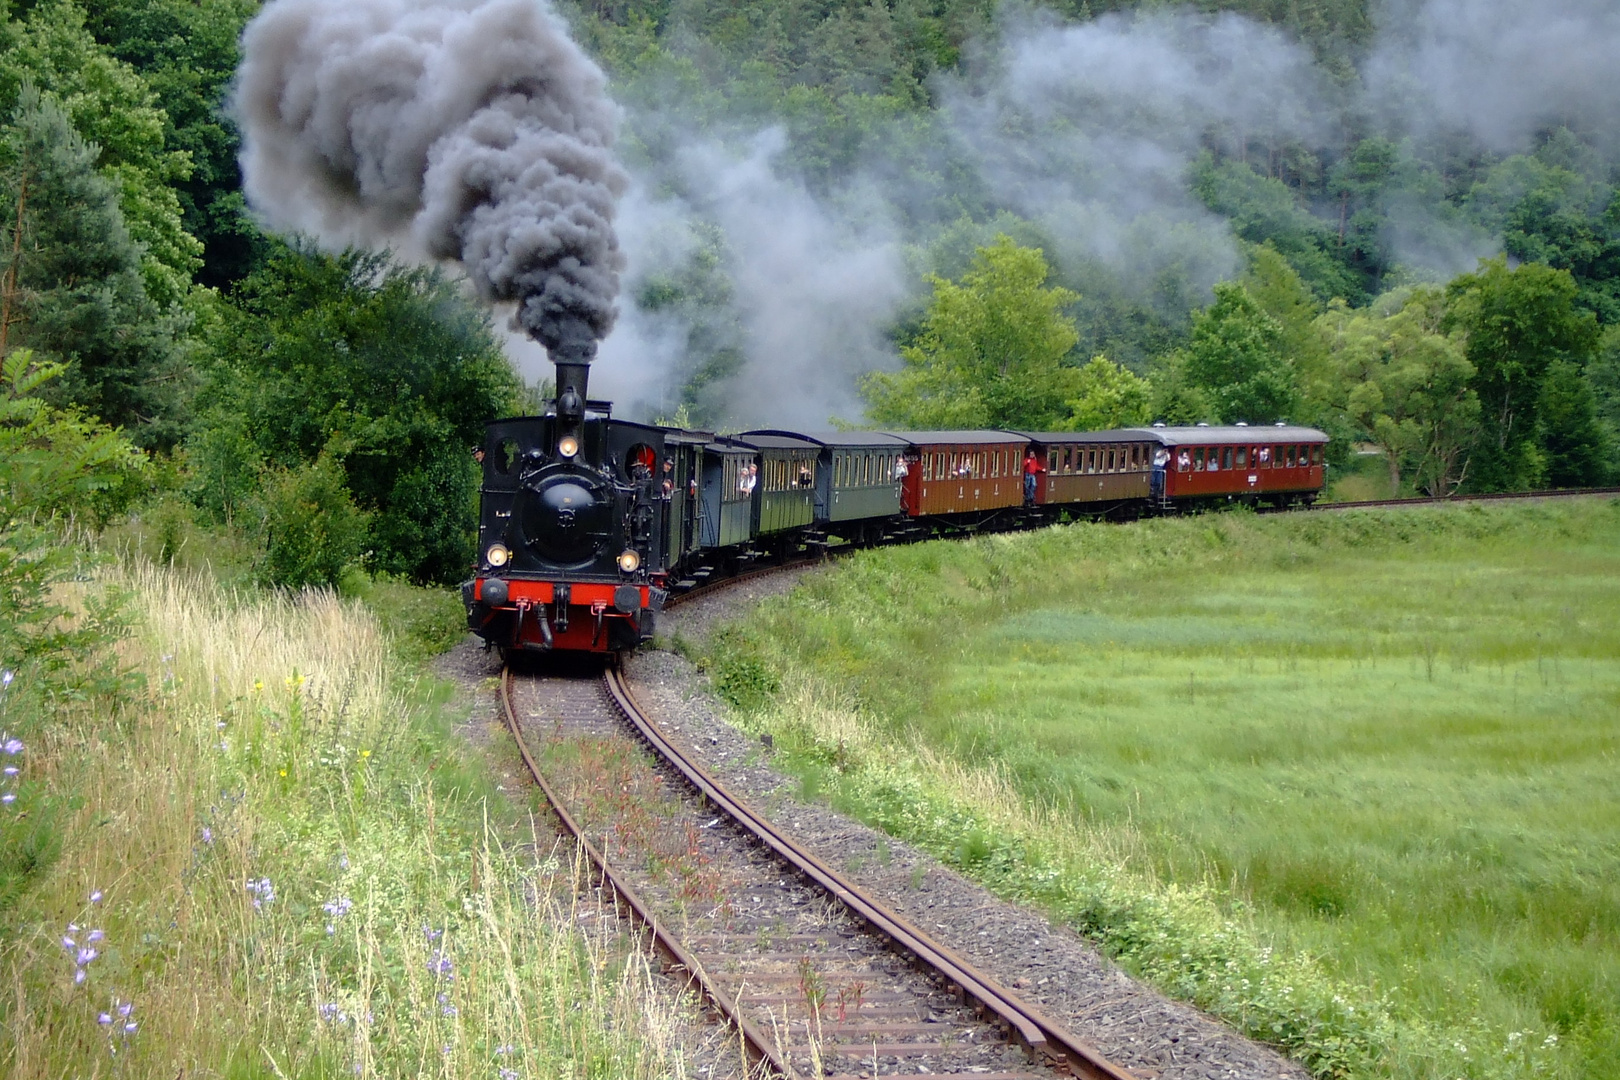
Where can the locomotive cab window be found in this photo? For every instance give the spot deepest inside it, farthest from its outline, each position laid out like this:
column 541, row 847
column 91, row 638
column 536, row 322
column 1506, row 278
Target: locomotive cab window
column 506, row 455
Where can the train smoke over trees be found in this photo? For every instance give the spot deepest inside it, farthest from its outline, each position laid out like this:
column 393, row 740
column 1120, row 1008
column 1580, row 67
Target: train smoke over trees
column 472, row 130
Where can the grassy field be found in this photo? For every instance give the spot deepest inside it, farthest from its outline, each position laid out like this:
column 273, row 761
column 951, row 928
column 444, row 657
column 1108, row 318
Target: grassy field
column 268, row 856
column 1350, row 780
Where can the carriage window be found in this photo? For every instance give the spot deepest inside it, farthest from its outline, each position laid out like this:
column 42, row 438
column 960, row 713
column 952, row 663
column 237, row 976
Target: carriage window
column 1226, row 458
column 1198, row 459
column 1291, row 461
column 866, row 469
column 1242, row 457
column 1316, row 455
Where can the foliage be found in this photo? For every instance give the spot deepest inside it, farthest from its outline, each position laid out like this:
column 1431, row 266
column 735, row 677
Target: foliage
column 1407, row 384
column 55, row 466
column 1235, row 359
column 1107, row 396
column 385, row 369
column 72, row 285
column 112, row 108
column 186, row 52
column 312, row 531
column 1571, row 440
column 1517, row 322
column 991, row 352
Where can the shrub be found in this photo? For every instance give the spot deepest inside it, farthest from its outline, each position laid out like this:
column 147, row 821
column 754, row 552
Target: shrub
column 311, row 528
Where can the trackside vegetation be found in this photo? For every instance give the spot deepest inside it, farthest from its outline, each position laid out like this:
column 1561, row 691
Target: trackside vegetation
column 1346, row 780
column 254, row 849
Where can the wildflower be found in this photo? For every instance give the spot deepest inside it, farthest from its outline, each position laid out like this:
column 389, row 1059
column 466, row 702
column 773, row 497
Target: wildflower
column 332, row 1013
column 432, row 934
column 11, row 770
column 95, row 897
column 129, row 1028
column 104, row 1019
column 258, row 684
column 343, row 862
column 95, row 936
column 12, row 747
column 263, row 892
column 85, row 956
column 440, row 967
column 445, row 1008
column 8, row 798
column 504, row 1049
column 78, row 976
column 207, row 835
column 339, row 907
column 507, row 1074
column 5, row 680
column 126, row 1008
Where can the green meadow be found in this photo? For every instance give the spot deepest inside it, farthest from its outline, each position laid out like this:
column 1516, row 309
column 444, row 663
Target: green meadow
column 1369, row 757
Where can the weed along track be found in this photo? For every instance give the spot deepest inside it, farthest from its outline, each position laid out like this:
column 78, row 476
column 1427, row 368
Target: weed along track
column 818, row 979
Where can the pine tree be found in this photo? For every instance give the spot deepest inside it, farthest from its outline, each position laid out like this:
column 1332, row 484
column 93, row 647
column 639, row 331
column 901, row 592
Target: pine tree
column 72, row 286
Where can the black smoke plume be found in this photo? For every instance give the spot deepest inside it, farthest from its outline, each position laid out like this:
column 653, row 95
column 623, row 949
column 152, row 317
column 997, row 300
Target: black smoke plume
column 473, row 130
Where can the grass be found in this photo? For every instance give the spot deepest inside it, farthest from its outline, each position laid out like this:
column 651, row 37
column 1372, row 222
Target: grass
column 294, row 868
column 1349, row 780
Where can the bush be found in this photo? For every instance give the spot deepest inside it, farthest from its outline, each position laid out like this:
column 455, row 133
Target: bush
column 312, row 531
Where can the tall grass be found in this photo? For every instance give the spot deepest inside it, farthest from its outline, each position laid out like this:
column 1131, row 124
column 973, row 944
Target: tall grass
column 1347, row 780
column 292, row 872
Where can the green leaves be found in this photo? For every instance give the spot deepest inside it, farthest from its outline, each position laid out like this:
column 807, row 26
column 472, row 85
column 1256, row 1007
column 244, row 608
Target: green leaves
column 991, row 351
column 1236, row 361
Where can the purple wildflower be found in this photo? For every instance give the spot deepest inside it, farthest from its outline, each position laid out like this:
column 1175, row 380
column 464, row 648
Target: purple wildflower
column 507, row 1074
column 130, row 1027
column 94, row 936
column 445, row 1008
column 439, row 966
column 263, row 891
column 8, row 798
column 432, row 934
column 95, row 897
column 68, row 943
column 333, row 1013
column 126, row 1008
column 10, row 770
column 5, row 679
column 207, row 835
column 104, row 1019
column 78, row 976
column 12, row 747
column 85, row 956
column 339, row 907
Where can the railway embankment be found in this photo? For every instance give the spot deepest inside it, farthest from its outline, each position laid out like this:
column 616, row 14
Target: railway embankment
column 1343, row 780
column 249, row 841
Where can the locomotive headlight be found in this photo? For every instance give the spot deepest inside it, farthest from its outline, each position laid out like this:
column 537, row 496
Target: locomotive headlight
column 567, row 446
column 629, row 560
column 497, row 555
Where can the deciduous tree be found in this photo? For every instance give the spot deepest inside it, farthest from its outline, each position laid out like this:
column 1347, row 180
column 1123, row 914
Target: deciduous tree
column 991, row 352
column 1235, row 358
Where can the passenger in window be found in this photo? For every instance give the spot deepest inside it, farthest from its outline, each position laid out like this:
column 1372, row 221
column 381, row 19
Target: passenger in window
column 669, row 478
column 1265, row 457
column 900, row 468
column 1183, row 461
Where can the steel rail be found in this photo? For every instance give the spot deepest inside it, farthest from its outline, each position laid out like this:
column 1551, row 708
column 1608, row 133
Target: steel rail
column 758, row 1047
column 1047, row 1041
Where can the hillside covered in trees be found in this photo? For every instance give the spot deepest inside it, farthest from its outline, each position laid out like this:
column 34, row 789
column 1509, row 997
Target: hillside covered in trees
column 1403, row 228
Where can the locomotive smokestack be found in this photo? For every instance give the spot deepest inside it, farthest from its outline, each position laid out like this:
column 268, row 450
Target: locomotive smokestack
column 572, row 346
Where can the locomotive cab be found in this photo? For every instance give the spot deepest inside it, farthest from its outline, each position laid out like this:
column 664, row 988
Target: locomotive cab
column 572, row 533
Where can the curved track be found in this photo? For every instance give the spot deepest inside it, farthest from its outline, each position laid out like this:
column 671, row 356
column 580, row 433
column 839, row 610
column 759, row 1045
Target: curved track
column 818, row 978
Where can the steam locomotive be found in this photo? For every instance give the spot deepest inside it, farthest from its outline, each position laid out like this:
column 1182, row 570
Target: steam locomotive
column 588, row 523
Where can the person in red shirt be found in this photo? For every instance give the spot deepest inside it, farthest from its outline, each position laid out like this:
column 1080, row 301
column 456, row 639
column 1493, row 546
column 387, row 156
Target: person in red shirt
column 1032, row 469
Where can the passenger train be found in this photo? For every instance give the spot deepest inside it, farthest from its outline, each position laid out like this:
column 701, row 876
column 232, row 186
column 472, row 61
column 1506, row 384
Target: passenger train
column 587, row 523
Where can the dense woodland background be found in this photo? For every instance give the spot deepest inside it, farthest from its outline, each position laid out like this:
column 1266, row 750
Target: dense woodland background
column 322, row 405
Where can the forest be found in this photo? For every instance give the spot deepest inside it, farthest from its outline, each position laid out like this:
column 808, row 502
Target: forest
column 919, row 212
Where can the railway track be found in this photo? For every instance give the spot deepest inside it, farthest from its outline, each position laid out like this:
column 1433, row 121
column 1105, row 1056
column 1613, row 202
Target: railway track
column 817, row 977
